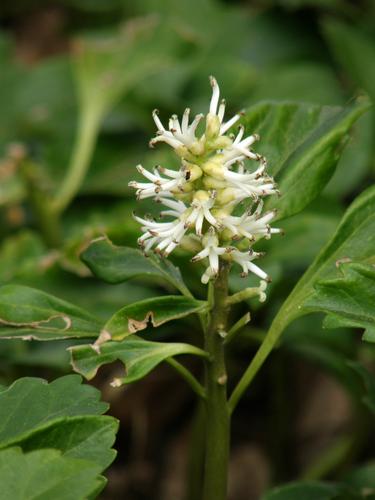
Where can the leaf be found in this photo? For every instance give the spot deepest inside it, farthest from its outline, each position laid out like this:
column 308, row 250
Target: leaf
column 115, row 264
column 354, row 50
column 310, row 490
column 348, row 301
column 157, row 311
column 45, row 474
column 302, row 143
column 139, row 357
column 87, row 437
column 368, row 383
column 21, row 254
column 304, row 81
column 31, row 314
column 106, row 66
column 346, row 179
column 362, row 478
column 30, row 403
column 354, row 239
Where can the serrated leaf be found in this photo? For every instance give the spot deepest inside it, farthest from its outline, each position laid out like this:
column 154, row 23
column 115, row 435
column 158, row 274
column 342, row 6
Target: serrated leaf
column 30, row 403
column 139, row 356
column 115, row 264
column 302, row 143
column 87, row 437
column 354, row 239
column 28, row 313
column 45, row 474
column 348, row 300
column 310, row 490
column 155, row 311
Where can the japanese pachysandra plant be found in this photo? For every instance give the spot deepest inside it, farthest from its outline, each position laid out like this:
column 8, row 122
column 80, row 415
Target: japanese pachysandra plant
column 214, row 203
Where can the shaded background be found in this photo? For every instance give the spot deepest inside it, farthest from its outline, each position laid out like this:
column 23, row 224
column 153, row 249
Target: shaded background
column 109, row 63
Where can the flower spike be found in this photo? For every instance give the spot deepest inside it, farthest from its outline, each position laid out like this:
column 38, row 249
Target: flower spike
column 200, row 197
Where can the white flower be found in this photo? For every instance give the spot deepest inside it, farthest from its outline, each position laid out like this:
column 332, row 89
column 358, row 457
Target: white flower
column 200, row 197
column 240, row 148
column 178, row 135
column 216, row 110
column 250, row 225
column 165, row 235
column 211, row 250
column 159, row 186
column 246, row 184
column 202, row 202
column 244, row 259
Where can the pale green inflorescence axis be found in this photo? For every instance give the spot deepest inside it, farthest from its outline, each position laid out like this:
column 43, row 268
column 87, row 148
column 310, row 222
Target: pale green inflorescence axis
column 206, row 198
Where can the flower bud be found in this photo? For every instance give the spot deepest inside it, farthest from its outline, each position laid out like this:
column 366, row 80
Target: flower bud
column 212, row 126
column 214, row 167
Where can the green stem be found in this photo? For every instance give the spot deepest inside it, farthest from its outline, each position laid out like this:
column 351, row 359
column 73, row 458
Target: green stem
column 264, row 350
column 236, row 327
column 188, row 377
column 46, row 218
column 217, row 415
column 88, row 126
column 247, row 293
column 330, row 460
column 196, row 454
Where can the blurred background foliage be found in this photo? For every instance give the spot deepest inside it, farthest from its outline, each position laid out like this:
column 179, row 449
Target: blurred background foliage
column 78, row 82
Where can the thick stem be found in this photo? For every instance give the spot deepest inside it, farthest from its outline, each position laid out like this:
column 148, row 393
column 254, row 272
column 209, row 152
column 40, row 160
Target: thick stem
column 194, row 479
column 217, row 414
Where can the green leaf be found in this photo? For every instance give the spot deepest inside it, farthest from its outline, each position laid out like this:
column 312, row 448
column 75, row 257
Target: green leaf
column 346, row 179
column 106, row 66
column 348, row 300
column 31, row 314
column 139, row 357
column 158, row 310
column 30, row 403
column 354, row 50
column 302, row 143
column 86, row 437
column 115, row 264
column 368, row 383
column 362, row 478
column 45, row 474
column 21, row 255
column 310, row 490
column 355, row 240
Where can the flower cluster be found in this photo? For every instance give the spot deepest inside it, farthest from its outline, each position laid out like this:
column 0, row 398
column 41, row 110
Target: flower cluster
column 207, row 198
